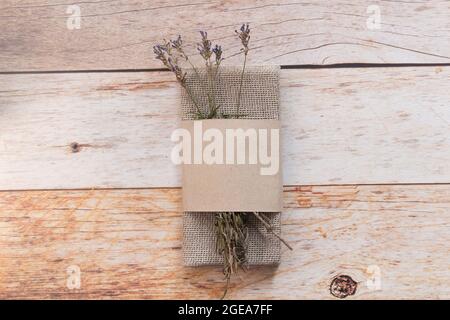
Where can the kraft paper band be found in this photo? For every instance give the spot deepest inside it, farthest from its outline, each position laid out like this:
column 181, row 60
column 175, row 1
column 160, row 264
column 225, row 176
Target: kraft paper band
column 232, row 185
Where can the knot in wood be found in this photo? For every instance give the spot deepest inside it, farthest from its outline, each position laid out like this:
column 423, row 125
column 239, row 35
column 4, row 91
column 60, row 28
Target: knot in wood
column 343, row 286
column 75, row 147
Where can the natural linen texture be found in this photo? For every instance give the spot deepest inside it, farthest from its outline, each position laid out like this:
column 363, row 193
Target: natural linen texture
column 259, row 100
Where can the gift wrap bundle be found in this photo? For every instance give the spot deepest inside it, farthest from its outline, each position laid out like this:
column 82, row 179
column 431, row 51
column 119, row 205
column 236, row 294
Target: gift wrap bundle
column 239, row 187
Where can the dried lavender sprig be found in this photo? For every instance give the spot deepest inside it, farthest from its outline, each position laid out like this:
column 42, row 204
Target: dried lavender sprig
column 177, row 44
column 269, row 228
column 218, row 55
column 163, row 52
column 204, row 48
column 217, row 50
column 232, row 242
column 244, row 36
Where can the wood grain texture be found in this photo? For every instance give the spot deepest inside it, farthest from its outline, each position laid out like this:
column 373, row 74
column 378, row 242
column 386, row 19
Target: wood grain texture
column 339, row 126
column 119, row 34
column 127, row 244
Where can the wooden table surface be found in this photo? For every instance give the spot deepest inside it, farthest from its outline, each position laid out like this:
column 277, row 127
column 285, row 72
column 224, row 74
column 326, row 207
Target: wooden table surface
column 85, row 121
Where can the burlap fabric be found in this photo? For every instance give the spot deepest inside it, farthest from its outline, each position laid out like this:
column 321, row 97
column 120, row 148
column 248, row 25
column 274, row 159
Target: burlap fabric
column 259, row 100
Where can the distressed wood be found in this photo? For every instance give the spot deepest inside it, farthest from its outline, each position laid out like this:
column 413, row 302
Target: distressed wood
column 120, row 34
column 339, row 126
column 127, row 244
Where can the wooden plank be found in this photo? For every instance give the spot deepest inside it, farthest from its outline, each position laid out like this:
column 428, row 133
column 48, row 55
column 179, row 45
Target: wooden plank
column 127, row 244
column 340, row 126
column 120, row 34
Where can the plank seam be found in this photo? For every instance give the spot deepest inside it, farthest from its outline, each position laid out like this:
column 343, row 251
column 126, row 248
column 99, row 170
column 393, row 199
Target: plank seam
column 284, row 186
column 285, row 67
